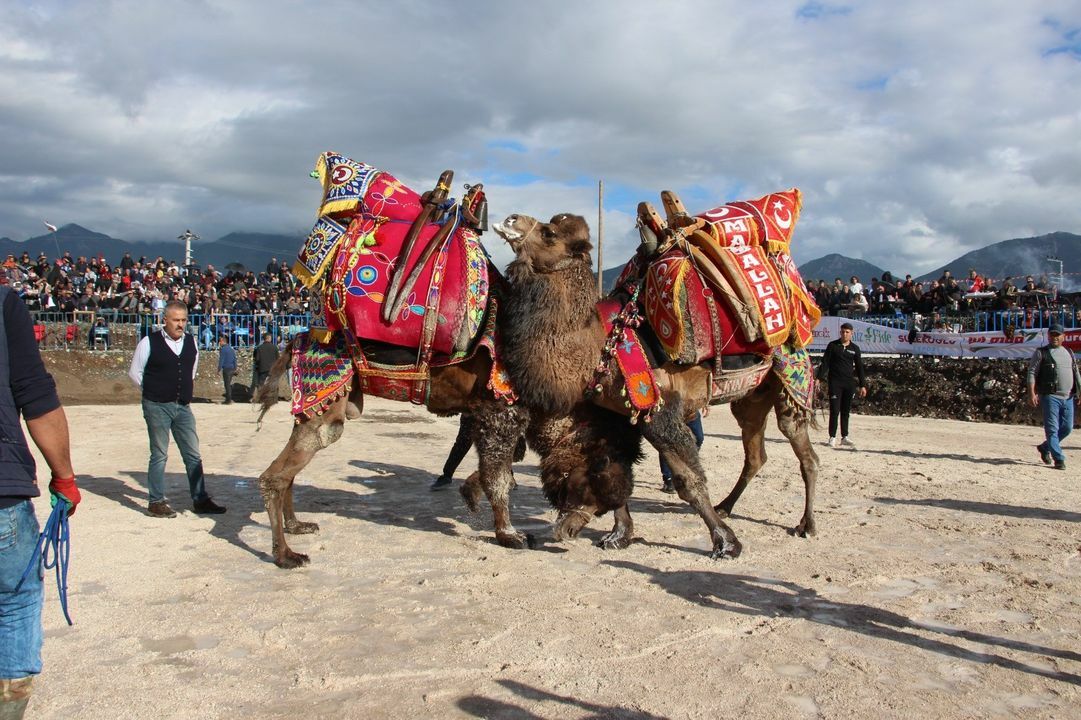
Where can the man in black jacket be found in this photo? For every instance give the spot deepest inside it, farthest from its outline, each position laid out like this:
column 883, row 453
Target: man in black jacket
column 26, row 390
column 263, row 360
column 164, row 367
column 842, row 370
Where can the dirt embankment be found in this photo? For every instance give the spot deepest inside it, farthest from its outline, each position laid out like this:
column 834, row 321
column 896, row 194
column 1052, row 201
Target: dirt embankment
column 84, row 377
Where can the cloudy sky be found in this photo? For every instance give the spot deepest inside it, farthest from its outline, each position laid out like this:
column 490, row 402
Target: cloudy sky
column 917, row 131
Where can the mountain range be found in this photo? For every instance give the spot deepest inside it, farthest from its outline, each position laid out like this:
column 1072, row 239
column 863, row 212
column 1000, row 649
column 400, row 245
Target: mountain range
column 250, row 250
column 1016, row 257
column 1009, row 258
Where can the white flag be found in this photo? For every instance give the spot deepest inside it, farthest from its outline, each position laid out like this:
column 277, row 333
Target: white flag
column 52, row 228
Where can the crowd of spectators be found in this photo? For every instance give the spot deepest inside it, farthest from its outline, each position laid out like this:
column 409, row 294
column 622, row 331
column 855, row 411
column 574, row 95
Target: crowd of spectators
column 144, row 286
column 1030, row 295
column 141, row 287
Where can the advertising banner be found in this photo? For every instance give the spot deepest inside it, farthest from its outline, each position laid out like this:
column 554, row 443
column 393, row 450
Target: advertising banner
column 880, row 339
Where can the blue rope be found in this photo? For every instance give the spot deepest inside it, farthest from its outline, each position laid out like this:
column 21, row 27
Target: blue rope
column 54, row 549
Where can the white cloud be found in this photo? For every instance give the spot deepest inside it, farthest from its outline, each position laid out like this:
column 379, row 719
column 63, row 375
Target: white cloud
column 917, row 131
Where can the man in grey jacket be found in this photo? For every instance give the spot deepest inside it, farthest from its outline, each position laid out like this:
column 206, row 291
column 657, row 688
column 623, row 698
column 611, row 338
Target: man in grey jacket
column 1054, row 385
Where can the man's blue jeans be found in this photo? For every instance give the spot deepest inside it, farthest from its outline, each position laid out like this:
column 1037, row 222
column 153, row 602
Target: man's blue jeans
column 1057, row 423
column 161, row 419
column 20, row 612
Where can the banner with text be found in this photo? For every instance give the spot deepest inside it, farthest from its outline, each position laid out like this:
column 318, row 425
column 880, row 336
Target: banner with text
column 880, row 339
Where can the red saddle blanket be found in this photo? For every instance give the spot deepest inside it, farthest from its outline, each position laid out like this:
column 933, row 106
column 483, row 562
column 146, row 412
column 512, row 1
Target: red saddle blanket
column 453, row 285
column 355, row 245
column 732, row 288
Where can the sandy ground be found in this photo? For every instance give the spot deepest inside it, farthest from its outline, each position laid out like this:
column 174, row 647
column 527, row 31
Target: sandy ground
column 944, row 583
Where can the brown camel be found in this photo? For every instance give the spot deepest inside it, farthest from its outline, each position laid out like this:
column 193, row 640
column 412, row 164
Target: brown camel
column 459, row 388
column 553, row 341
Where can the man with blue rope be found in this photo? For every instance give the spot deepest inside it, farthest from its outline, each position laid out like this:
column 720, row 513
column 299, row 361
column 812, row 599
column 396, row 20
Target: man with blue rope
column 26, row 389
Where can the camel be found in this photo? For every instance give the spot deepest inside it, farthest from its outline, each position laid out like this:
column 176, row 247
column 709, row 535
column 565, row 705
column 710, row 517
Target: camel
column 553, row 345
column 458, row 388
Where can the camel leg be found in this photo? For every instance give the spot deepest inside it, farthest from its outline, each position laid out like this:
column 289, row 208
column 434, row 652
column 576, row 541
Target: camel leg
column 622, row 532
column 275, row 484
column 570, row 522
column 674, row 440
column 495, row 435
column 799, row 438
column 292, row 525
column 751, row 413
column 471, row 491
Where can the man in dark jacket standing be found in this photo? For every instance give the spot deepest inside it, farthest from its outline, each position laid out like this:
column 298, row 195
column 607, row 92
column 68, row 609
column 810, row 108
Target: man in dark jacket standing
column 1052, row 380
column 164, row 366
column 842, row 369
column 26, row 389
column 263, row 360
column 227, row 366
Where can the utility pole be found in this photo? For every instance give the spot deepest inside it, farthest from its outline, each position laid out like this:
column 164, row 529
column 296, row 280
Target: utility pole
column 187, row 239
column 600, row 238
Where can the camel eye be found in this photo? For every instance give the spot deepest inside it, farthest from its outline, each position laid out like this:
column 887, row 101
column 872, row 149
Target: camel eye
column 548, row 234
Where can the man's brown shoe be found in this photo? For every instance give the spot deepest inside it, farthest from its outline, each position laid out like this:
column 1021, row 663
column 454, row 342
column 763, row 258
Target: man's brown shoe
column 207, row 507
column 161, row 509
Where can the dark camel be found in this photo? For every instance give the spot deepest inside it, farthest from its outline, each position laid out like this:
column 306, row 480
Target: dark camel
column 460, row 388
column 552, row 342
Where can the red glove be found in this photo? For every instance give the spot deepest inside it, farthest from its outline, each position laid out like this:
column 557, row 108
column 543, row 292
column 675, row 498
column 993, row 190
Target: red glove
column 65, row 488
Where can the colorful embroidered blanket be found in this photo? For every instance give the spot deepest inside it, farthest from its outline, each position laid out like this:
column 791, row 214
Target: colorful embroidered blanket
column 756, row 282
column 321, row 374
column 739, row 261
column 793, row 366
column 768, row 221
column 357, row 240
column 350, row 186
column 453, row 285
column 639, row 385
column 689, row 327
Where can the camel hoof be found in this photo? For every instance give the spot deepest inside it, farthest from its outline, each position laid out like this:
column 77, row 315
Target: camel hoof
column 471, row 494
column 803, row 530
column 514, row 541
column 290, row 560
column 723, row 511
column 614, row 541
column 565, row 532
column 727, row 551
column 301, row 528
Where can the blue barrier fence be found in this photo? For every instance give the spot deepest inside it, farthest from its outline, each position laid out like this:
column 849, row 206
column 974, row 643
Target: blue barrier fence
column 123, row 331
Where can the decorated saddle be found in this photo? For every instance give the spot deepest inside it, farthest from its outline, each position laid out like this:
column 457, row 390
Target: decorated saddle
column 721, row 284
column 360, row 241
column 388, row 267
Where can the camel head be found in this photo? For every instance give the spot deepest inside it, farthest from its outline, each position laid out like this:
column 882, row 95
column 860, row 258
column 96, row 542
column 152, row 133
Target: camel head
column 547, row 246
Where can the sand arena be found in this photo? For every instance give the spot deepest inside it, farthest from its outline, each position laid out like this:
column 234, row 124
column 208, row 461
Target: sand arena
column 944, row 582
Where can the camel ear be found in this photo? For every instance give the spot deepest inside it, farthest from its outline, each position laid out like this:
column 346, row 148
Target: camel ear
column 580, row 248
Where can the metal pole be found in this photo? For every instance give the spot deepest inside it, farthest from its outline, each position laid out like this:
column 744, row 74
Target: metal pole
column 1058, row 275
column 600, row 238
column 186, row 238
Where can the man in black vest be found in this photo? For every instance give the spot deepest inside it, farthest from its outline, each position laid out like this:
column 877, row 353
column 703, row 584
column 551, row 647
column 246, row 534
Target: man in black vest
column 26, row 389
column 164, row 367
column 1052, row 380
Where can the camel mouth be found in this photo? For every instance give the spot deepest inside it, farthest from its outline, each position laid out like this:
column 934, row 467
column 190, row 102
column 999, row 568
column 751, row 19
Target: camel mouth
column 510, row 234
column 506, row 230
